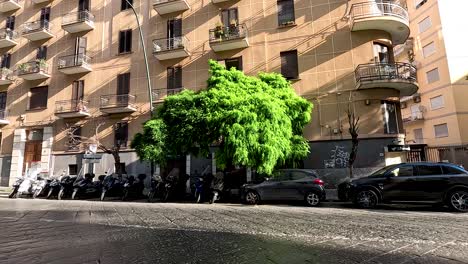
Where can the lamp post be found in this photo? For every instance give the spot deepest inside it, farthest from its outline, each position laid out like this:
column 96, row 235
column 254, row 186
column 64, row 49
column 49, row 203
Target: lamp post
column 146, row 58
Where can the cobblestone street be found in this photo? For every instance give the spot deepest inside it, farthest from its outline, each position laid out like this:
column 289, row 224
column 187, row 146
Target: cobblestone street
column 42, row 231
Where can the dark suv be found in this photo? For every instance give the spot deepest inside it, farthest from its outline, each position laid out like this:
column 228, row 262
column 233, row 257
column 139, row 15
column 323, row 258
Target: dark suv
column 410, row 182
column 286, row 185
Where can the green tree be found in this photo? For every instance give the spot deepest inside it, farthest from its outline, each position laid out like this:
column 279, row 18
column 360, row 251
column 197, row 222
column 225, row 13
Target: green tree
column 255, row 122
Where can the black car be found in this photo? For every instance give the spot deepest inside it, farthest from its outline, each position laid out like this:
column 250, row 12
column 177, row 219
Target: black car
column 286, row 185
column 438, row 183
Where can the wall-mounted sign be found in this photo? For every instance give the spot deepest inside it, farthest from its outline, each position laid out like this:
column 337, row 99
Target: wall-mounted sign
column 397, row 148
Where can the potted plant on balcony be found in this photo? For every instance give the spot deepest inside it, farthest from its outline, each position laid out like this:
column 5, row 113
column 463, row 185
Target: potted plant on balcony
column 22, row 67
column 219, row 32
column 41, row 63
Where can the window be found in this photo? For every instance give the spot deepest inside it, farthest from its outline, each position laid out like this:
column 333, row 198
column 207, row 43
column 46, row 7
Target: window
column 289, row 67
column 10, row 22
column 121, row 134
column 3, row 101
column 427, row 170
column 174, row 78
column 432, row 75
column 452, row 170
column 425, row 24
column 437, row 102
column 381, row 53
column 299, row 175
column 229, row 17
column 286, row 12
column 124, row 5
column 72, row 169
column 38, row 97
column 45, row 17
column 419, row 3
column 83, row 5
column 390, row 117
column 429, row 49
column 441, row 130
column 234, row 62
column 418, row 136
column 403, row 171
column 123, row 83
column 72, row 144
column 6, row 60
column 41, row 53
column 125, row 41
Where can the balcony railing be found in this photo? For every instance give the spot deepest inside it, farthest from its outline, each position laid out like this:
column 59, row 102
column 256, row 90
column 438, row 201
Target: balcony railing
column 373, row 9
column 225, row 33
column 74, row 60
column 33, row 67
column 34, row 26
column 6, row 74
column 159, row 94
column 6, row 33
column 414, row 116
column 385, row 71
column 77, row 17
column 67, row 106
column 166, row 44
column 117, row 100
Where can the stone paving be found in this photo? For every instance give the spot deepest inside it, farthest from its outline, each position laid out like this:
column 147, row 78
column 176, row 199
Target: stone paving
column 44, row 231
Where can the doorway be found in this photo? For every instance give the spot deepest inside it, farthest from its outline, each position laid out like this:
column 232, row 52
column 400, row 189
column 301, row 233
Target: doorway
column 32, row 149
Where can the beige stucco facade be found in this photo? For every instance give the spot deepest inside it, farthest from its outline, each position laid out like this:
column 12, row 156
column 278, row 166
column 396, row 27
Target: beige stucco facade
column 329, row 52
column 451, row 85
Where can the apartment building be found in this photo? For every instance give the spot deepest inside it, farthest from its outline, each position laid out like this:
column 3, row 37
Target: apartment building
column 437, row 115
column 80, row 64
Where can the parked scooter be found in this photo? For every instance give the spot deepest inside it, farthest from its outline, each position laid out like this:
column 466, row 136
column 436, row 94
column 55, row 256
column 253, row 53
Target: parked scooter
column 170, row 184
column 41, row 186
column 157, row 188
column 217, row 187
column 26, row 185
column 66, row 186
column 16, row 186
column 112, row 186
column 133, row 188
column 86, row 187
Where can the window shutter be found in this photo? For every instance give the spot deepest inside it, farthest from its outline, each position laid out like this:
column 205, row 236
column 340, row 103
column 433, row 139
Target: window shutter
column 289, row 67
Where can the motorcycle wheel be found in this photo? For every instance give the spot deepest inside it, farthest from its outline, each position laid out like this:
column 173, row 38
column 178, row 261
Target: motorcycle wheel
column 214, row 198
column 103, row 195
column 13, row 193
column 75, row 191
column 35, row 194
column 198, row 197
column 166, row 197
column 125, row 195
column 60, row 195
column 151, row 197
column 49, row 194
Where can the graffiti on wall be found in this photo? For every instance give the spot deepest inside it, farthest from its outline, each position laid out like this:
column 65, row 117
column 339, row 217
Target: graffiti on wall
column 339, row 158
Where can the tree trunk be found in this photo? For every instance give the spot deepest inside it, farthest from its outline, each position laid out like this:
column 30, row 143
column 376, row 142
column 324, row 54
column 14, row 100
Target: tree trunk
column 118, row 168
column 353, row 155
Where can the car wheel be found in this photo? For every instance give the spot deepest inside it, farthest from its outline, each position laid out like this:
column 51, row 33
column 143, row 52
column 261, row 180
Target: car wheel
column 366, row 199
column 312, row 199
column 458, row 201
column 252, row 198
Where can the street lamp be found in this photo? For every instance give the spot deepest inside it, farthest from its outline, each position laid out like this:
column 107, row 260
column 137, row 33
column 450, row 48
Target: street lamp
column 146, row 58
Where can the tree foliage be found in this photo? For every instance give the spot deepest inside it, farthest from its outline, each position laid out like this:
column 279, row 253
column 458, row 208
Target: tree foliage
column 255, row 122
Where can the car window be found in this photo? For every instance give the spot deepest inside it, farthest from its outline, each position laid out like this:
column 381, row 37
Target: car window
column 382, row 171
column 280, row 175
column 452, row 170
column 426, row 170
column 299, row 175
column 402, row 171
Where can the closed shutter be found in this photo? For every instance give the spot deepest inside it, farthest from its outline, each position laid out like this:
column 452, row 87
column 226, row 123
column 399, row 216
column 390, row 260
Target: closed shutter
column 289, row 67
column 123, row 83
column 10, row 22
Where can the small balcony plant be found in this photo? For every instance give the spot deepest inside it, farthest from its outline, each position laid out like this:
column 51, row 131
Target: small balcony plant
column 219, row 31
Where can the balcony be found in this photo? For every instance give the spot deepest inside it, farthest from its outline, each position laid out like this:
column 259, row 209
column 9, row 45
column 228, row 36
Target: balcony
column 37, row 30
column 117, row 103
column 80, row 21
column 414, row 116
column 8, row 38
column 389, row 17
column 73, row 64
column 33, row 70
column 219, row 1
column 170, row 6
column 228, row 38
column 71, row 109
column 9, row 5
column 160, row 94
column 3, row 117
column 6, row 76
column 41, row 1
column 399, row 76
column 170, row 48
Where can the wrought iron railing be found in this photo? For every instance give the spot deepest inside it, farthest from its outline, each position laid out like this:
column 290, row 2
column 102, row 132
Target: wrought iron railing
column 373, row 9
column 159, row 94
column 73, row 61
column 6, row 33
column 3, row 114
column 67, row 106
column 33, row 67
column 413, row 116
column 166, row 44
column 77, row 17
column 223, row 33
column 117, row 100
column 6, row 74
column 385, row 71
column 34, row 26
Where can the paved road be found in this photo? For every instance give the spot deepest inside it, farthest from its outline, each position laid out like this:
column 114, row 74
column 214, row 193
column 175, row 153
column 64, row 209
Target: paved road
column 40, row 231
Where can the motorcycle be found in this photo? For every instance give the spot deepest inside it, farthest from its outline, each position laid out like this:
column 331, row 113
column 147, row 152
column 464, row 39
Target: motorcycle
column 86, row 187
column 26, row 186
column 112, row 186
column 16, row 186
column 54, row 187
column 157, row 185
column 40, row 186
column 199, row 184
column 66, row 186
column 217, row 187
column 133, row 188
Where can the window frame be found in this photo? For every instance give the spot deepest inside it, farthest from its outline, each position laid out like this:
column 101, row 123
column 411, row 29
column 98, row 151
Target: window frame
column 289, row 72
column 30, row 96
column 435, row 80
column 441, row 136
column 283, row 4
column 118, row 132
column 76, row 169
column 124, row 5
column 442, row 100
column 423, row 20
column 427, row 45
column 125, row 41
